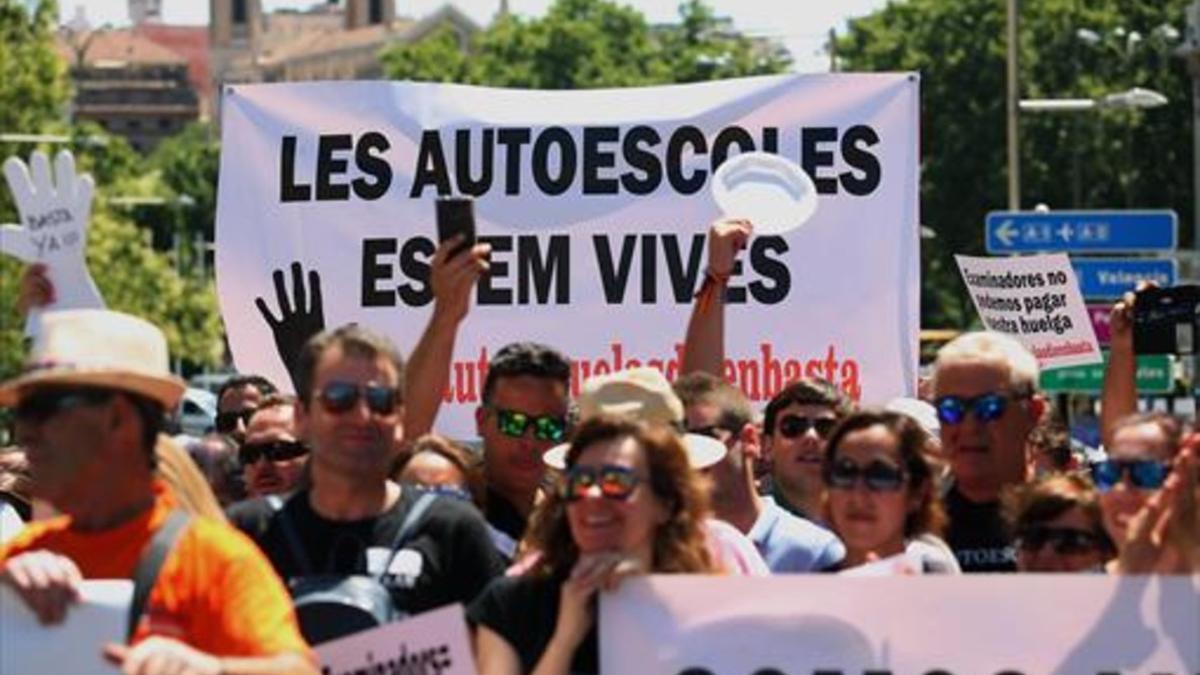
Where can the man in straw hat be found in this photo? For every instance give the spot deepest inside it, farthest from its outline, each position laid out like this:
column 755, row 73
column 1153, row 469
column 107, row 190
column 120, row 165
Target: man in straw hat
column 88, row 408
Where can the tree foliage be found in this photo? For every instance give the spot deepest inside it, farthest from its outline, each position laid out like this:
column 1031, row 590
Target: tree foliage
column 581, row 44
column 1098, row 160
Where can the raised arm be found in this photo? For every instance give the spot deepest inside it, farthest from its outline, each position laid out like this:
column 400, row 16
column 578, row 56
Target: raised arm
column 704, row 345
column 452, row 280
column 1118, row 398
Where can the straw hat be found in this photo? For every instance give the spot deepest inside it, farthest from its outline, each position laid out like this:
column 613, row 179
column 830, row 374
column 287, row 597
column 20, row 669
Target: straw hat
column 644, row 395
column 97, row 348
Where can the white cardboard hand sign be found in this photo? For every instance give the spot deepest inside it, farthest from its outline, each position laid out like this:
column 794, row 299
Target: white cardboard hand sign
column 54, row 219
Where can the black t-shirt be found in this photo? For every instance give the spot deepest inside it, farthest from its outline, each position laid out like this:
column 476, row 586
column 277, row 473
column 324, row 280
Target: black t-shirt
column 448, row 557
column 523, row 611
column 977, row 535
column 503, row 516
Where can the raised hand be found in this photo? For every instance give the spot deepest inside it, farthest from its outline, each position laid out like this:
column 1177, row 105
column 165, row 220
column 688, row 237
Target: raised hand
column 453, row 274
column 727, row 238
column 55, row 210
column 47, row 582
column 300, row 317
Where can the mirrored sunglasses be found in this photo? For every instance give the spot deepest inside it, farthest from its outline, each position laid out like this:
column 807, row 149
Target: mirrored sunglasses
column 1062, row 540
column 227, row 422
column 274, row 451
column 615, row 482
column 792, row 426
column 545, row 427
column 878, row 476
column 988, row 407
column 1144, row 474
column 40, row 405
column 339, row 397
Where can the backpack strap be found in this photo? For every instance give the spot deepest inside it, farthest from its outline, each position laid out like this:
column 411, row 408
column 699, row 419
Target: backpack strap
column 406, row 528
column 290, row 535
column 150, row 564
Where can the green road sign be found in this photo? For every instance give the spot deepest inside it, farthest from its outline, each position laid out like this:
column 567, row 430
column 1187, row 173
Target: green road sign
column 1154, row 376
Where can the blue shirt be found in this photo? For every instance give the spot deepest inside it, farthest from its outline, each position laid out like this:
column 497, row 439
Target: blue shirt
column 792, row 544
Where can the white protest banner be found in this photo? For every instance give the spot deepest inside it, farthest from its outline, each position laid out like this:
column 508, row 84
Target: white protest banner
column 1036, row 300
column 55, row 210
column 433, row 643
column 74, row 646
column 595, row 203
column 1051, row 624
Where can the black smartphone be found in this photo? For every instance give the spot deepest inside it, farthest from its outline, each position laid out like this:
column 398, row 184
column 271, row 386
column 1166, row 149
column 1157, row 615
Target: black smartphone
column 1164, row 320
column 455, row 216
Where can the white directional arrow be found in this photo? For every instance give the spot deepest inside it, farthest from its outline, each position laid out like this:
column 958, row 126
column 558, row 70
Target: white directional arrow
column 1066, row 232
column 1006, row 232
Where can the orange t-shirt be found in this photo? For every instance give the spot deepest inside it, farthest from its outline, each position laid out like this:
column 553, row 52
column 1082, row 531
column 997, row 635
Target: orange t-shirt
column 215, row 592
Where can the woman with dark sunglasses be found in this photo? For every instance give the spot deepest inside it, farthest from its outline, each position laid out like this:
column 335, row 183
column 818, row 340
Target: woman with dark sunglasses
column 1057, row 526
column 629, row 504
column 881, row 499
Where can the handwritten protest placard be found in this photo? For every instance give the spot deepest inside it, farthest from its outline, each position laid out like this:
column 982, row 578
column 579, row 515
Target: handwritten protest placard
column 98, row 618
column 1036, row 300
column 1026, row 624
column 433, row 643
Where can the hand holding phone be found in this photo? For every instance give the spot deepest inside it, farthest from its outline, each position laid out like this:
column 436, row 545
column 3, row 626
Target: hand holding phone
column 1164, row 320
column 456, row 216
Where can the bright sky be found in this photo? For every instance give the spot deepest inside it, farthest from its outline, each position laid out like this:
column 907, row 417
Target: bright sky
column 802, row 25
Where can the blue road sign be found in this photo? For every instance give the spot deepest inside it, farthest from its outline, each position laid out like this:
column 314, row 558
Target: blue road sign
column 1081, row 231
column 1110, row 277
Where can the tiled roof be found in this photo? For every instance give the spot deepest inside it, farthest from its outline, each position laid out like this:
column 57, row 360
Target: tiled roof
column 117, row 46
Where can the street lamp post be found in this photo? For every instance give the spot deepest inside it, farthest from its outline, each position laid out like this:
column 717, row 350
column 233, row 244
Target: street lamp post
column 1014, row 97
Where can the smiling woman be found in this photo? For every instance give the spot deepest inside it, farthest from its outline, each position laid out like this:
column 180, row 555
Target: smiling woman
column 630, row 504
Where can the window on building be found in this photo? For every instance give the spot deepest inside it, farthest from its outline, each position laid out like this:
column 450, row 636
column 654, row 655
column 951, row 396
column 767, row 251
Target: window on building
column 239, row 12
column 376, row 11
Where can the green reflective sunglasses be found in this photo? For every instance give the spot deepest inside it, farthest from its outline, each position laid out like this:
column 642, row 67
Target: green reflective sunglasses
column 545, row 428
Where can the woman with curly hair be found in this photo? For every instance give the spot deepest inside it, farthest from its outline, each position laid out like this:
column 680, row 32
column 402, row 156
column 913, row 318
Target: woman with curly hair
column 882, row 499
column 629, row 504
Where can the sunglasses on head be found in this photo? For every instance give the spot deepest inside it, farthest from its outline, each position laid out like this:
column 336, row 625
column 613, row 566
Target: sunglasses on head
column 1062, row 540
column 545, row 428
column 988, row 407
column 39, row 406
column 792, row 426
column 274, row 451
column 227, row 422
column 615, row 482
column 338, row 397
column 1146, row 474
column 879, row 476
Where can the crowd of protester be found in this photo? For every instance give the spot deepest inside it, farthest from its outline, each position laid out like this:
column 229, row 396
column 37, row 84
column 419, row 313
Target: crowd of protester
column 346, row 489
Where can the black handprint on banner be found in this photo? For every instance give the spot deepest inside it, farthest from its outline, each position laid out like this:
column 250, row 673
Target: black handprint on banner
column 298, row 320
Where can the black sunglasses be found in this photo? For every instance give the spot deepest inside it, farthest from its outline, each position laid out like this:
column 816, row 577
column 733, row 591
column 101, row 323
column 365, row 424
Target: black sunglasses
column 274, row 451
column 41, row 405
column 879, row 476
column 338, row 397
column 1145, row 474
column 545, row 428
column 227, row 422
column 792, row 426
column 989, row 407
column 616, row 482
column 1062, row 540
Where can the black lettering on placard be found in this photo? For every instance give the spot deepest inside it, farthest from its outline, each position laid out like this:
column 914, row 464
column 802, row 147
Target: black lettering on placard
column 727, row 137
column 853, row 141
column 649, row 269
column 776, row 671
column 328, row 166
column 734, row 294
column 368, row 162
column 486, row 293
column 683, row 280
column 1010, row 672
column 641, row 159
column 567, row 161
column 770, row 140
column 595, row 159
column 826, row 671
column 414, row 263
column 554, row 271
column 685, row 135
column 938, row 672
column 431, row 166
column 373, row 272
column 812, row 158
column 289, row 189
column 512, row 140
column 696, row 671
column 614, row 279
column 872, row 671
column 467, row 184
column 771, row 268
